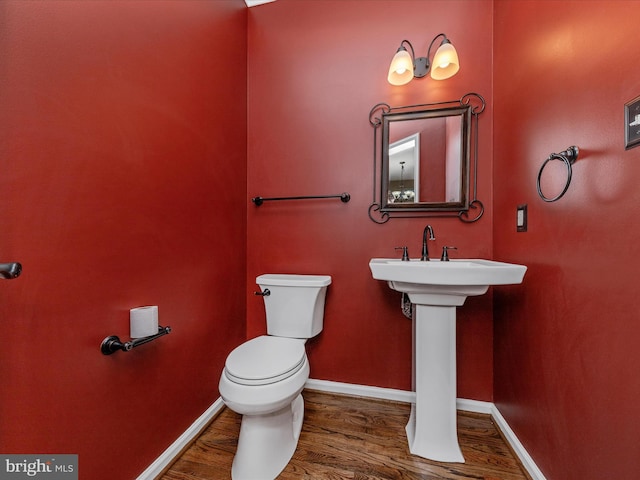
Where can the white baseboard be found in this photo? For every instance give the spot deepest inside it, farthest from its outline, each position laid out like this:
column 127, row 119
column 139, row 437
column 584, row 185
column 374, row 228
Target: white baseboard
column 174, row 450
column 390, row 394
column 517, row 447
column 360, row 390
column 169, row 455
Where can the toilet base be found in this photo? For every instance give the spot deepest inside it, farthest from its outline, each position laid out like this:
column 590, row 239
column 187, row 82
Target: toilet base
column 267, row 442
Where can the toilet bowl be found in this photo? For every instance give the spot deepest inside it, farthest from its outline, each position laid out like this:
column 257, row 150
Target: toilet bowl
column 263, row 378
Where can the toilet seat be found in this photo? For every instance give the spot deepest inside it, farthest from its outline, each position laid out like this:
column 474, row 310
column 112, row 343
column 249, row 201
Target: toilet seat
column 264, row 360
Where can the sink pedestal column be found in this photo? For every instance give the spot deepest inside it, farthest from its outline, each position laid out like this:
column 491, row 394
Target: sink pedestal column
column 435, row 289
column 432, row 428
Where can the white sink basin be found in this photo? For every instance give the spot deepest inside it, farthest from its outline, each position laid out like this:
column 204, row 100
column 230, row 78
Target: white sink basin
column 444, row 283
column 436, row 288
column 454, row 272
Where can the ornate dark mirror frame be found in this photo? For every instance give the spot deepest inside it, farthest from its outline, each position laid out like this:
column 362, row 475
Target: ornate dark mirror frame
column 468, row 108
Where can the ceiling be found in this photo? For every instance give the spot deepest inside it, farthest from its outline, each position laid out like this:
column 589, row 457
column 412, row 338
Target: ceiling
column 253, row 3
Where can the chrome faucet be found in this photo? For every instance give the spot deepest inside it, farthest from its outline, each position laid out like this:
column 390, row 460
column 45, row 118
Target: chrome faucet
column 425, row 250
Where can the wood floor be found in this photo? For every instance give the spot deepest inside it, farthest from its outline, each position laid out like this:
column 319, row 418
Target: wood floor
column 347, row 437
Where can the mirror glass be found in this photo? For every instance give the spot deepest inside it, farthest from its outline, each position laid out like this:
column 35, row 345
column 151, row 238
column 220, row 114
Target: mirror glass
column 425, row 160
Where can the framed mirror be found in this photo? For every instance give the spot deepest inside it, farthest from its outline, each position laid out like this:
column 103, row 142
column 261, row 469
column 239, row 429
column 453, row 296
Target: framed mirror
column 427, row 156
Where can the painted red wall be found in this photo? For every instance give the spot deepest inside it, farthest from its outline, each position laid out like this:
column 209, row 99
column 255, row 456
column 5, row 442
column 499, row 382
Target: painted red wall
column 122, row 160
column 566, row 345
column 122, row 152
column 315, row 71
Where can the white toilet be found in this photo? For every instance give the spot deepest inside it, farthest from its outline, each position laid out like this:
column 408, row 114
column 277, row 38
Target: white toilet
column 263, row 378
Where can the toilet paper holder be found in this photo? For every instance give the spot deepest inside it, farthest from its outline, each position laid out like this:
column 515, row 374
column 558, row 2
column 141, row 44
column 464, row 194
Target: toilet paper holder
column 112, row 343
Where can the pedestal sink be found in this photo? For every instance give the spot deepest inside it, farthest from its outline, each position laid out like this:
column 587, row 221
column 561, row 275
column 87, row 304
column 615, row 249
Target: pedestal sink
column 436, row 288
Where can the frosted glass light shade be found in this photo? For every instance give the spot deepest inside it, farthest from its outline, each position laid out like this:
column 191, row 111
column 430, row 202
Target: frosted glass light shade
column 401, row 68
column 445, row 62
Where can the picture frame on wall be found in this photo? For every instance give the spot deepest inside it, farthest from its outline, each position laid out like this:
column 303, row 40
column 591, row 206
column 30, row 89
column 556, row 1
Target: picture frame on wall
column 632, row 123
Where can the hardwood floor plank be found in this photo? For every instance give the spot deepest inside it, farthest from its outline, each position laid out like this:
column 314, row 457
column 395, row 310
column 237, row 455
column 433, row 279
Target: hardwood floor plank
column 356, row 438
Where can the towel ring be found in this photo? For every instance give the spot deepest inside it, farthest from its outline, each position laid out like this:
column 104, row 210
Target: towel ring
column 568, row 156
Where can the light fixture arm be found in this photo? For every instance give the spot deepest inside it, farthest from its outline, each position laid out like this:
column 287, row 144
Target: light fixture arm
column 422, row 65
column 413, row 53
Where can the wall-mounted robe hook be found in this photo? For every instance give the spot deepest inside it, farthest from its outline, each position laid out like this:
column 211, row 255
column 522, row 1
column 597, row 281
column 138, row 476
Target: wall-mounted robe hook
column 568, row 156
column 112, row 343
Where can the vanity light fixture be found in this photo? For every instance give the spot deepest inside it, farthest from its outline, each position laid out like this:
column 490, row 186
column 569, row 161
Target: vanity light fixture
column 405, row 66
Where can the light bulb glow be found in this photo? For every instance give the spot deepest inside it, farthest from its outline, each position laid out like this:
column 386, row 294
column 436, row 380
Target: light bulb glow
column 401, row 68
column 445, row 62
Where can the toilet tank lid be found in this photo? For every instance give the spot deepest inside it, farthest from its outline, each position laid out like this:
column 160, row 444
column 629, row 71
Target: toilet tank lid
column 287, row 280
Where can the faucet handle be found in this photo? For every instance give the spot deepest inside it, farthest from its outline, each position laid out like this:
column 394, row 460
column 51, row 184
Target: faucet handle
column 405, row 253
column 445, row 255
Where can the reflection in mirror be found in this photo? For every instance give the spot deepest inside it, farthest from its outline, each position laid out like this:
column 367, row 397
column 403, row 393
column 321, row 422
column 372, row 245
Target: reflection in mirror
column 425, row 159
column 404, row 170
column 426, row 156
column 434, row 173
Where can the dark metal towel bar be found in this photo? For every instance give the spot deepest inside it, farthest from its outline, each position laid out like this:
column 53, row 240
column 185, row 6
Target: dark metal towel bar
column 112, row 343
column 344, row 197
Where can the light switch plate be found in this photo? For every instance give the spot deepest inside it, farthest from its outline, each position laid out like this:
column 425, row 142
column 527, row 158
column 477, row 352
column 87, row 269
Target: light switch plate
column 521, row 218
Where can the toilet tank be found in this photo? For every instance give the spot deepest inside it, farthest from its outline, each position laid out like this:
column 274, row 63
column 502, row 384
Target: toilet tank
column 295, row 306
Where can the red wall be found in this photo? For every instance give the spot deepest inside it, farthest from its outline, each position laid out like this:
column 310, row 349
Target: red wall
column 566, row 345
column 315, row 71
column 122, row 160
column 122, row 151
